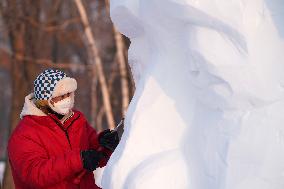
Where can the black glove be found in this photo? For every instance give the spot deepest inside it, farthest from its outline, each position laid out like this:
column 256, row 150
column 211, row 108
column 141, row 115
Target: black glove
column 109, row 139
column 90, row 159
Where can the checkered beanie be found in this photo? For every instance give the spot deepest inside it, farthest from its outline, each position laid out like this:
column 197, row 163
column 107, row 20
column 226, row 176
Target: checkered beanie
column 46, row 82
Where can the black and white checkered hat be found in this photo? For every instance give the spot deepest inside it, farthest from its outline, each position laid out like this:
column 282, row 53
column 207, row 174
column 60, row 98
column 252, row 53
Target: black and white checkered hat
column 46, row 82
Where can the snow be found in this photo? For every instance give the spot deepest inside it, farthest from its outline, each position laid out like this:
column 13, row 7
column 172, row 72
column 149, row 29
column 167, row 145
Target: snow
column 209, row 102
column 2, row 169
column 98, row 173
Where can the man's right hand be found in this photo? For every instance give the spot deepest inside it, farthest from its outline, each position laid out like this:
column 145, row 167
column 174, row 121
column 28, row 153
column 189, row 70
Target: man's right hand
column 109, row 139
column 90, row 159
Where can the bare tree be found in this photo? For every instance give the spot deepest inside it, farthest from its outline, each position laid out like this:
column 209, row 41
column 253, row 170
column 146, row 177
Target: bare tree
column 94, row 102
column 120, row 48
column 97, row 61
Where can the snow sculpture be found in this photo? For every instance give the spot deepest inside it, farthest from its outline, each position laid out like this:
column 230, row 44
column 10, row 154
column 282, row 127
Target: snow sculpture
column 208, row 111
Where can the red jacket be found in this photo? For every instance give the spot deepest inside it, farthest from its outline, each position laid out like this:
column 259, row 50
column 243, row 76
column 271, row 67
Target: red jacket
column 44, row 155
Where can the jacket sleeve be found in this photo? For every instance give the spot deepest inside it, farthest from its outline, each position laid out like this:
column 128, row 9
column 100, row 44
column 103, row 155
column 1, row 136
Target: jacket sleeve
column 94, row 144
column 33, row 166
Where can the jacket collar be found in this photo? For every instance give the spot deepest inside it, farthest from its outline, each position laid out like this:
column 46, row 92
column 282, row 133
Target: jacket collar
column 68, row 122
column 39, row 116
column 30, row 107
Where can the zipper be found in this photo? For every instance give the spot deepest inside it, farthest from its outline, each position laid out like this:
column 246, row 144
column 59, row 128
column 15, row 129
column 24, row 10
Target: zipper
column 66, row 134
column 66, row 130
column 68, row 117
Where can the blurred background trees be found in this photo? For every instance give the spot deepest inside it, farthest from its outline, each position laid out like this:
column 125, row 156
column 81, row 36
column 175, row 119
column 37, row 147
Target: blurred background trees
column 75, row 36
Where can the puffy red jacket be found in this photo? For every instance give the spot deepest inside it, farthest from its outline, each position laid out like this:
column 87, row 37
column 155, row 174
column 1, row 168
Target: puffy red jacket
column 45, row 153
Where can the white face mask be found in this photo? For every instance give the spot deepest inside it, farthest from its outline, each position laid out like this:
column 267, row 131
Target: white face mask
column 64, row 106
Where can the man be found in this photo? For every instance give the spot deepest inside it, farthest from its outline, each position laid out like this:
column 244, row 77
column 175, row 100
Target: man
column 53, row 145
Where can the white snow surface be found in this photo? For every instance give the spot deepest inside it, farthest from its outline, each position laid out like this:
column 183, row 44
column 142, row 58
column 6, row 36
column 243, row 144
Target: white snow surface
column 98, row 173
column 208, row 111
column 2, row 169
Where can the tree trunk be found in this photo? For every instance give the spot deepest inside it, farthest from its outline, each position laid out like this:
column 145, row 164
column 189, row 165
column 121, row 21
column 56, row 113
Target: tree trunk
column 122, row 66
column 94, row 101
column 122, row 71
column 98, row 63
